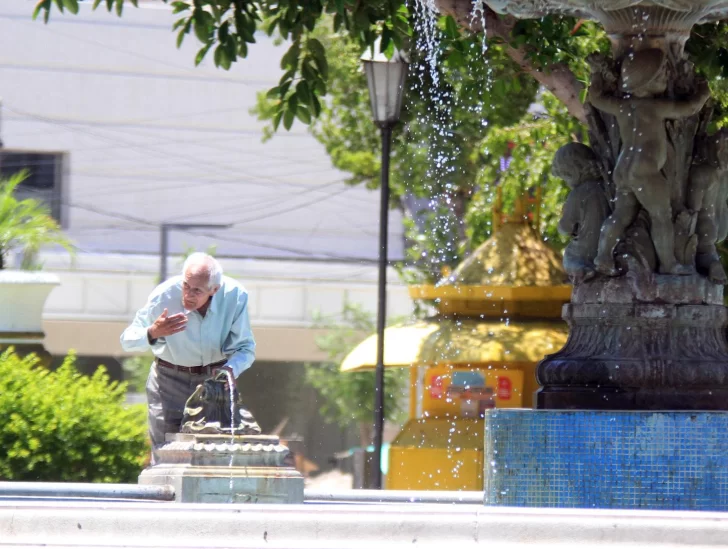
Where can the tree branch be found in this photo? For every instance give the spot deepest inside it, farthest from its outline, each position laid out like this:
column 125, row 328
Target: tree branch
column 557, row 78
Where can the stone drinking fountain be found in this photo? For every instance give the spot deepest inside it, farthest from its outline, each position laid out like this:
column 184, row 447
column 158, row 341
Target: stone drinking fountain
column 220, row 455
column 631, row 412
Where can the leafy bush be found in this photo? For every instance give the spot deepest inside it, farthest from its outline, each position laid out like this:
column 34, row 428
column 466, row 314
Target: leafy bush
column 348, row 397
column 64, row 426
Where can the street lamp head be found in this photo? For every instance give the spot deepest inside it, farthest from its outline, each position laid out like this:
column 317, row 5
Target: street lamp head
column 386, row 79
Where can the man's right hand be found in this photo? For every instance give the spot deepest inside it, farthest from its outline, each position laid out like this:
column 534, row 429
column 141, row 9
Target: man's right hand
column 167, row 325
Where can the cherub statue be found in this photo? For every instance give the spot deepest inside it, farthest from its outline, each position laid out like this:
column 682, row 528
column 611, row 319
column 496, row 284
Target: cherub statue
column 585, row 209
column 638, row 179
column 707, row 195
column 604, row 74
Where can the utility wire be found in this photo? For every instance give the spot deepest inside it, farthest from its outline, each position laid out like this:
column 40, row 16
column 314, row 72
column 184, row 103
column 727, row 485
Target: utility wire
column 217, row 236
column 191, row 70
column 264, row 202
column 268, row 215
column 195, row 183
column 273, row 200
column 221, row 169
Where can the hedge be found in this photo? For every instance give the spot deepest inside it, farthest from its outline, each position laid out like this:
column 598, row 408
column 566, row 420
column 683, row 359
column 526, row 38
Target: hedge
column 65, row 426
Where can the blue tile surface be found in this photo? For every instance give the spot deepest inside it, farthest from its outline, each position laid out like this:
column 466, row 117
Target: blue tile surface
column 609, row 460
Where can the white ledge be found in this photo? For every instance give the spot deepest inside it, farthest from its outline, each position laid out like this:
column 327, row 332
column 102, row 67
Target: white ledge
column 28, row 277
column 85, row 524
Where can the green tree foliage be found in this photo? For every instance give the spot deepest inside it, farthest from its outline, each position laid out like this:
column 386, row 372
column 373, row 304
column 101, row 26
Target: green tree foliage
column 483, row 105
column 548, row 49
column 64, row 426
column 452, row 138
column 457, row 98
column 25, row 224
column 348, row 398
column 525, row 166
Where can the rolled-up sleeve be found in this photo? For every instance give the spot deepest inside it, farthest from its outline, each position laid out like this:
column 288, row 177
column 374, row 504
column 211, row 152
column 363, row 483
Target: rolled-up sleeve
column 239, row 345
column 134, row 338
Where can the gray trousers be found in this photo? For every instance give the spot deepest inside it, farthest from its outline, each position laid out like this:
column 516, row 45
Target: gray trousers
column 167, row 393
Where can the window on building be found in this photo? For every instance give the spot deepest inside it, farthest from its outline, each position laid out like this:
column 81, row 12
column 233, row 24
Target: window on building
column 45, row 181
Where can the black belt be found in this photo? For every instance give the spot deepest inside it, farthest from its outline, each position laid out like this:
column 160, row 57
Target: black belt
column 194, row 370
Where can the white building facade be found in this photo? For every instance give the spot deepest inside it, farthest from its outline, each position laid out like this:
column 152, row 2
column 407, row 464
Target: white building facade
column 142, row 137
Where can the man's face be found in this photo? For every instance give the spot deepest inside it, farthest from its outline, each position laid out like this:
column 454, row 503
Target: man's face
column 195, row 291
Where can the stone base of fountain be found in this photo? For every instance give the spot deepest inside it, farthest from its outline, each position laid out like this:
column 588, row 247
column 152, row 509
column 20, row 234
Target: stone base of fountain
column 205, row 468
column 640, row 346
column 606, row 460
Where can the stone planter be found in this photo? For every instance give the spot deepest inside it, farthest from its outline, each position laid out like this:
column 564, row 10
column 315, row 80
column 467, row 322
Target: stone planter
column 22, row 297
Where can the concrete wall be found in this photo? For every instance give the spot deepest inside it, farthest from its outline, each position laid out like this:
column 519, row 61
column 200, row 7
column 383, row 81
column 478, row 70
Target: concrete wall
column 151, row 138
column 310, row 526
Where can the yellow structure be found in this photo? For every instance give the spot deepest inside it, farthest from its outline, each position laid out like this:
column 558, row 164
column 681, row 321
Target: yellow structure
column 499, row 314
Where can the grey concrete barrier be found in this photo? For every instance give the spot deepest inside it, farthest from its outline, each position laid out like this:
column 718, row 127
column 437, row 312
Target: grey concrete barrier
column 310, row 526
column 75, row 490
column 68, row 491
column 393, row 496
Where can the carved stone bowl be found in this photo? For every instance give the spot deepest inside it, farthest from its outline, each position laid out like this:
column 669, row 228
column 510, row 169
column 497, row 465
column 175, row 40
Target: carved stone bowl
column 629, row 23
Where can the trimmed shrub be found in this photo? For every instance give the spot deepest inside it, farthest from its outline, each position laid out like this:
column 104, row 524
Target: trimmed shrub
column 64, row 426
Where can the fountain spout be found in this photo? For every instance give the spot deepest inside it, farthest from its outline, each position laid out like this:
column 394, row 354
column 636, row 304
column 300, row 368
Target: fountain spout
column 216, row 408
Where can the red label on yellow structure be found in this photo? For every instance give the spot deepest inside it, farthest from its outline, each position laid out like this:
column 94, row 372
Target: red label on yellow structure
column 437, row 389
column 469, row 392
column 504, row 388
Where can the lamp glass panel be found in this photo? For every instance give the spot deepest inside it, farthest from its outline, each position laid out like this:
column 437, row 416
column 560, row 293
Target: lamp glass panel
column 385, row 80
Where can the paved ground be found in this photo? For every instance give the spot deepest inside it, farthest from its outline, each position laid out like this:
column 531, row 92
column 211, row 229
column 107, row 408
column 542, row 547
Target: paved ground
column 331, row 480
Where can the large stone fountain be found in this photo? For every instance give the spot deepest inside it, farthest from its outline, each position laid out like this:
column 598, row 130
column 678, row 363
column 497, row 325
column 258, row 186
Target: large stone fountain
column 647, row 320
column 647, row 206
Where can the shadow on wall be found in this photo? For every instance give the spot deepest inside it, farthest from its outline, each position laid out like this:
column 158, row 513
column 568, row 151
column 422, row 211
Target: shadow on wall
column 88, row 365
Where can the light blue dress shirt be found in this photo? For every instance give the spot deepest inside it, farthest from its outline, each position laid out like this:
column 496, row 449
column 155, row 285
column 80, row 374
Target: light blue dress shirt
column 224, row 331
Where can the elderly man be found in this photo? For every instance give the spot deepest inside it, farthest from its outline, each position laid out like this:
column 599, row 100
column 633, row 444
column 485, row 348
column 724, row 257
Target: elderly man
column 196, row 325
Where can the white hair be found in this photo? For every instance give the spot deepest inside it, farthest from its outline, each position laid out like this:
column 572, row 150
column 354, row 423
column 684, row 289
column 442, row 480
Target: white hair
column 208, row 264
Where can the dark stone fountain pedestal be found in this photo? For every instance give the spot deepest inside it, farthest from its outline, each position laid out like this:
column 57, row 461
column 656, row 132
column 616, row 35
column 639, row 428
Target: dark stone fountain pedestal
column 625, row 354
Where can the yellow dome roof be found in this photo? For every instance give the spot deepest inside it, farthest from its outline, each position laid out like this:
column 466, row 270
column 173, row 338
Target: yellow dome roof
column 514, row 256
column 513, row 273
column 469, row 341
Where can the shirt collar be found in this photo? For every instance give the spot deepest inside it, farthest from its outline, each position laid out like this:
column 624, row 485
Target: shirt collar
column 214, row 302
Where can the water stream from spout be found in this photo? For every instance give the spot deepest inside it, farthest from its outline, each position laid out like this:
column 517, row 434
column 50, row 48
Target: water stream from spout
column 439, row 123
column 231, row 389
column 437, row 131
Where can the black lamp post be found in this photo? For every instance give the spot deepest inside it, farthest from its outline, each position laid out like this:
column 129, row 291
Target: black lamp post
column 386, row 87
